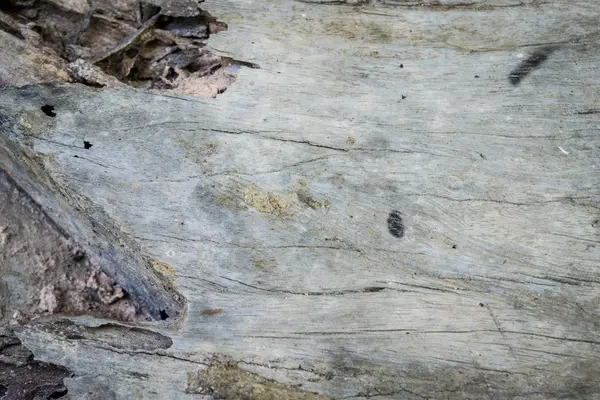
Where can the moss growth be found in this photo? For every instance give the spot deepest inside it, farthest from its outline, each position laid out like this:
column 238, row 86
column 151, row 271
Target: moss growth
column 227, row 381
column 263, row 264
column 266, row 203
column 304, row 196
column 163, row 268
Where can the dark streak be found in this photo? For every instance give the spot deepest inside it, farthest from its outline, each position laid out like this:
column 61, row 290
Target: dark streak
column 341, row 292
column 6, row 27
column 588, row 112
column 532, row 62
column 395, row 224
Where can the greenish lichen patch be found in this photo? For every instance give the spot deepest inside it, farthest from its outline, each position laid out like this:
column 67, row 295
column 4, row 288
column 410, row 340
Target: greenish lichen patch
column 227, row 381
column 304, row 196
column 266, row 203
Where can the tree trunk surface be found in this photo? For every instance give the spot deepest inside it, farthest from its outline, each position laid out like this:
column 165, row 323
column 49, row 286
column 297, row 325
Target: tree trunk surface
column 391, row 199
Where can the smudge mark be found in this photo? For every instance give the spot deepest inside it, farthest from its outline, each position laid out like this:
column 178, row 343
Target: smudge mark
column 395, row 224
column 532, row 62
column 211, row 311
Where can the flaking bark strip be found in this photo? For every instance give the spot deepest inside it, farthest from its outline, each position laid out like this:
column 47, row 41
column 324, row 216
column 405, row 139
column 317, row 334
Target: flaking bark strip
column 111, row 334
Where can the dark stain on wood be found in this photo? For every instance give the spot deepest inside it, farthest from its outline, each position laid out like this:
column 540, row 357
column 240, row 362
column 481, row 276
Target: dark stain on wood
column 529, row 64
column 395, row 224
column 211, row 311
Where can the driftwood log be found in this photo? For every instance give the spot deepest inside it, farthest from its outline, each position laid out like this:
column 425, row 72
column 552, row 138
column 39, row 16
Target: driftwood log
column 394, row 200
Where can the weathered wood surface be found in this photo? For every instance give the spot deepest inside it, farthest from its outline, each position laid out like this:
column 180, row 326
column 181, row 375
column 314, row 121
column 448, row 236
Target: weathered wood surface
column 271, row 202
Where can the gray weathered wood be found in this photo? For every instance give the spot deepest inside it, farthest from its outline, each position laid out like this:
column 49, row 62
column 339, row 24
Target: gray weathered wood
column 271, row 202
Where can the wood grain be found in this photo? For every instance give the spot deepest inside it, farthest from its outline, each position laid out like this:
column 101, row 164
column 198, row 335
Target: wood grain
column 272, row 201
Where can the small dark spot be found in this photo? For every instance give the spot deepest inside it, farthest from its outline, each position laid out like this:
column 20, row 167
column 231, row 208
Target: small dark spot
column 454, row 246
column 401, row 65
column 403, row 96
column 395, row 224
column 504, row 262
column 76, row 156
column 596, row 223
column 163, row 315
column 408, row 333
column 87, row 145
column 481, row 155
column 526, row 66
column 480, row 304
column 476, row 76
column 171, row 74
column 3, row 390
column 74, row 336
column 49, row 110
column 78, row 255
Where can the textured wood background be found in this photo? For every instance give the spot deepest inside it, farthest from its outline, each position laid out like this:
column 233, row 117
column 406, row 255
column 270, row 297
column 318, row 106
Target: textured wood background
column 278, row 204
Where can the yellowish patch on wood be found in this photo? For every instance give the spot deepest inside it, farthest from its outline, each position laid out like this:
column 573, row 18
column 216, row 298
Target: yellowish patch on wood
column 364, row 29
column 266, row 203
column 304, row 196
column 163, row 268
column 231, row 382
column 263, row 264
